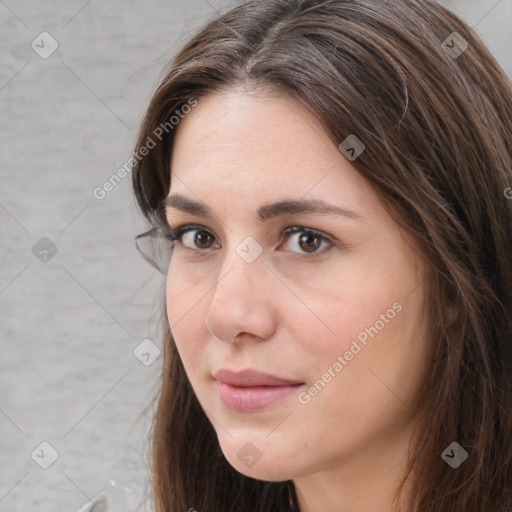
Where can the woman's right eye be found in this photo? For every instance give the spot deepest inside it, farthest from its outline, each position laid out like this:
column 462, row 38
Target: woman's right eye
column 194, row 237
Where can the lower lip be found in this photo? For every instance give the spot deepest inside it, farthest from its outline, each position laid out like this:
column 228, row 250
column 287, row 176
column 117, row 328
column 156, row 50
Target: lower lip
column 248, row 399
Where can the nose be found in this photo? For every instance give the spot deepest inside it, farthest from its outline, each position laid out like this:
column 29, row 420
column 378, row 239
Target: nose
column 242, row 305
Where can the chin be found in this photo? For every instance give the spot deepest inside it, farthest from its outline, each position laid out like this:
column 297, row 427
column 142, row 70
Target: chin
column 256, row 462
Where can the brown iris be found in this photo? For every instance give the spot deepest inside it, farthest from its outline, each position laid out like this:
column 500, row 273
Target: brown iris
column 311, row 242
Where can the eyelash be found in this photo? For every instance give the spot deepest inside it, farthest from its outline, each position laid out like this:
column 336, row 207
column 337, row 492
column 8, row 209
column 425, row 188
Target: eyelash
column 179, row 231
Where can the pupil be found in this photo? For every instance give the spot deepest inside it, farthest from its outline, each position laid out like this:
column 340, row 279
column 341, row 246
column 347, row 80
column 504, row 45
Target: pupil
column 201, row 238
column 309, row 247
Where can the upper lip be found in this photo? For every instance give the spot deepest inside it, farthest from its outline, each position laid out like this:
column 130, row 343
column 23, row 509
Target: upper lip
column 250, row 377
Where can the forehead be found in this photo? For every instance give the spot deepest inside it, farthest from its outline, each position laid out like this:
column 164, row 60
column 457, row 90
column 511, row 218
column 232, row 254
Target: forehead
column 243, row 129
column 248, row 150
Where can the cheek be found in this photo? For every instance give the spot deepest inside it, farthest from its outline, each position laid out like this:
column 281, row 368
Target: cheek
column 372, row 326
column 185, row 314
column 385, row 355
column 339, row 314
column 339, row 300
column 359, row 389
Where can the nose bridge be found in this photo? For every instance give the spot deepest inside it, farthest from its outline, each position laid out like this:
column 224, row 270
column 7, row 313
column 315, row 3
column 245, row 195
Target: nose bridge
column 241, row 273
column 240, row 302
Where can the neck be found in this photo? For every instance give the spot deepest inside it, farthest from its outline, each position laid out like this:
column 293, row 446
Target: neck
column 363, row 481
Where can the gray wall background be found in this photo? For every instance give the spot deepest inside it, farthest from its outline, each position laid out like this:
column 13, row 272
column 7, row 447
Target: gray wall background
column 71, row 319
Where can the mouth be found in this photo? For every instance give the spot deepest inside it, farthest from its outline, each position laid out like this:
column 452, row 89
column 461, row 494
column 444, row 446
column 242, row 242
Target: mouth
column 252, row 390
column 252, row 398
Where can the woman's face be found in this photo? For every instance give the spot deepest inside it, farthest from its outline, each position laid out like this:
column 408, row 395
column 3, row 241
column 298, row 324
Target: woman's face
column 341, row 319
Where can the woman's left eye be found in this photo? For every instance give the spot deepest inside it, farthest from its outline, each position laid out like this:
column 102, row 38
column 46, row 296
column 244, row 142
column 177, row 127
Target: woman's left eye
column 308, row 240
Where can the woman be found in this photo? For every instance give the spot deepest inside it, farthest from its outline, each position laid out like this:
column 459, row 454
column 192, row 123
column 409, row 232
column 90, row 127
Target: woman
column 330, row 179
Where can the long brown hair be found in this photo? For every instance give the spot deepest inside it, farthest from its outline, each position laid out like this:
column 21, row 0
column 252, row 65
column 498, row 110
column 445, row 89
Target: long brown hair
column 436, row 119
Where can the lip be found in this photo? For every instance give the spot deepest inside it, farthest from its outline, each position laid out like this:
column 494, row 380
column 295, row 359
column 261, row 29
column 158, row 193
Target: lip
column 250, row 377
column 251, row 390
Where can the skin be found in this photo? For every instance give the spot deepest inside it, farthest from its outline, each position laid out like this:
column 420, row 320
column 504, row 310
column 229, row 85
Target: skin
column 291, row 313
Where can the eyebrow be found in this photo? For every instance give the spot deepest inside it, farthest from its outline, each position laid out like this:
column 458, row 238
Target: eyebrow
column 265, row 212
